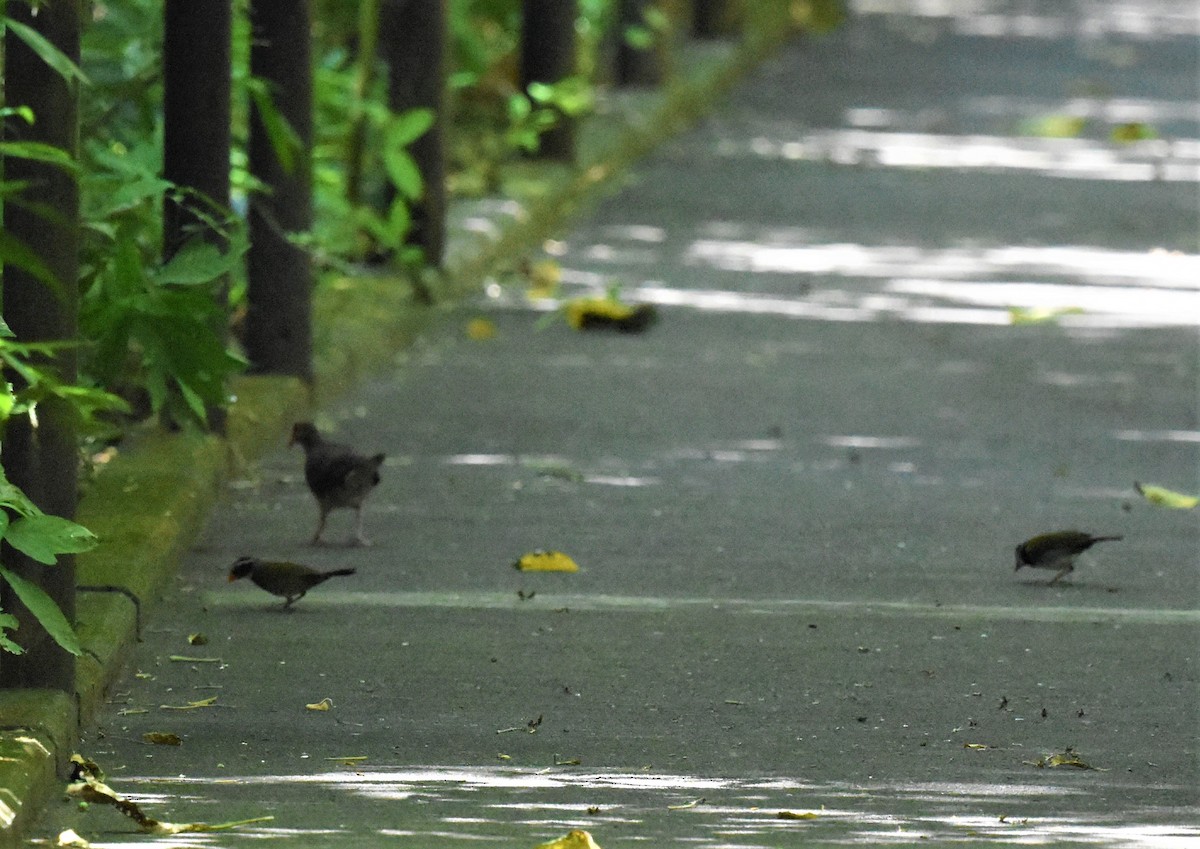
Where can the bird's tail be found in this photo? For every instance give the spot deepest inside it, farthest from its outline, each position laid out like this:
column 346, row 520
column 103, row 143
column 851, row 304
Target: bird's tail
column 336, row 572
column 1105, row 539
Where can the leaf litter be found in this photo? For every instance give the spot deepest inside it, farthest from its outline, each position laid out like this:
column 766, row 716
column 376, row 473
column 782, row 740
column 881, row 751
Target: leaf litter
column 1067, row 757
column 87, row 784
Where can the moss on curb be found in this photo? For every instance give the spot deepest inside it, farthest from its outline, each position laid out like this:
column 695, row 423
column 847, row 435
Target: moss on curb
column 37, row 726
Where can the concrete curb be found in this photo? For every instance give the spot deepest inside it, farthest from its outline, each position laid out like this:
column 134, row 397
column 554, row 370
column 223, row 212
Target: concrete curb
column 150, row 502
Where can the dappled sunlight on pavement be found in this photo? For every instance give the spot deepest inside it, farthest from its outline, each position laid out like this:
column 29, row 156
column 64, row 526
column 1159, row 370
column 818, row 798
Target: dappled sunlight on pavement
column 462, row 806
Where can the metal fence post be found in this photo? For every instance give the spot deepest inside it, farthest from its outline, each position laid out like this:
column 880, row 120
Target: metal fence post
column 278, row 337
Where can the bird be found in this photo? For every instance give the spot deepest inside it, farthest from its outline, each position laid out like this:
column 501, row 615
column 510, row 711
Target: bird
column 288, row 580
column 336, row 475
column 1056, row 550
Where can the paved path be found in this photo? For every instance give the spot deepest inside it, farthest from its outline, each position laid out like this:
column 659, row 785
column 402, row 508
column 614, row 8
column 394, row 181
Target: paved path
column 794, row 500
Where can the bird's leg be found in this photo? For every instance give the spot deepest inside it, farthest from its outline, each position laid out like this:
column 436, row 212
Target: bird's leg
column 1064, row 570
column 359, row 537
column 316, row 540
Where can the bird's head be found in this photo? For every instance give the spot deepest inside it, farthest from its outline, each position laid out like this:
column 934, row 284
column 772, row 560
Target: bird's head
column 242, row 567
column 304, row 433
column 1022, row 560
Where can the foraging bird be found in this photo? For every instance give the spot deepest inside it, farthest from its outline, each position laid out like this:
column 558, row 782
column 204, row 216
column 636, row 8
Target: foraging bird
column 1056, row 550
column 289, row 580
column 336, row 476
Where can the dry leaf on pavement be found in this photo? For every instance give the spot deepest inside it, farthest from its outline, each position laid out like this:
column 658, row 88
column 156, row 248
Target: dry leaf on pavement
column 577, row 839
column 546, row 561
column 162, row 738
column 199, row 703
column 609, row 314
column 87, row 784
column 70, row 840
column 481, row 329
column 1068, row 757
column 1163, row 497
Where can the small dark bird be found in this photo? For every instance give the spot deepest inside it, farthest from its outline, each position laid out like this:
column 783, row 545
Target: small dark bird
column 1056, row 550
column 336, row 475
column 288, row 580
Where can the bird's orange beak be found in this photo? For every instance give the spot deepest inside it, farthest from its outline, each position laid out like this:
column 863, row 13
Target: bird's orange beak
column 232, row 577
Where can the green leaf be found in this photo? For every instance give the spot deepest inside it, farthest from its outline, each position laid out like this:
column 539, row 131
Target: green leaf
column 572, row 96
column 40, row 152
column 44, row 537
column 22, row 112
column 407, row 127
column 403, row 172
column 400, row 221
column 15, row 252
column 49, row 54
column 8, row 622
column 196, row 262
column 285, row 141
column 14, row 499
column 194, row 402
column 44, row 610
column 639, row 38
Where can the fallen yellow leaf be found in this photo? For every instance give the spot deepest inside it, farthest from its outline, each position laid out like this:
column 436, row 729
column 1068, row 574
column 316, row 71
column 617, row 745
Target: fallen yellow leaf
column 349, row 760
column 1066, row 758
column 481, row 329
column 70, row 840
column 200, row 703
column 324, row 704
column 1164, row 497
column 795, row 815
column 577, row 839
column 546, row 561
column 607, row 313
column 162, row 738
column 1134, row 131
column 1039, row 315
column 976, row 746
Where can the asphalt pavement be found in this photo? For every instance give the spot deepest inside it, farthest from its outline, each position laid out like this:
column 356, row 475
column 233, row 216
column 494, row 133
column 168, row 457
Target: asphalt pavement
column 905, row 322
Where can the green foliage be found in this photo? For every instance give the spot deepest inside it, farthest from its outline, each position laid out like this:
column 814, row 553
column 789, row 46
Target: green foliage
column 156, row 326
column 346, row 227
column 652, row 29
column 285, row 141
column 41, row 382
column 819, row 16
column 22, row 524
column 48, row 53
column 494, row 121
